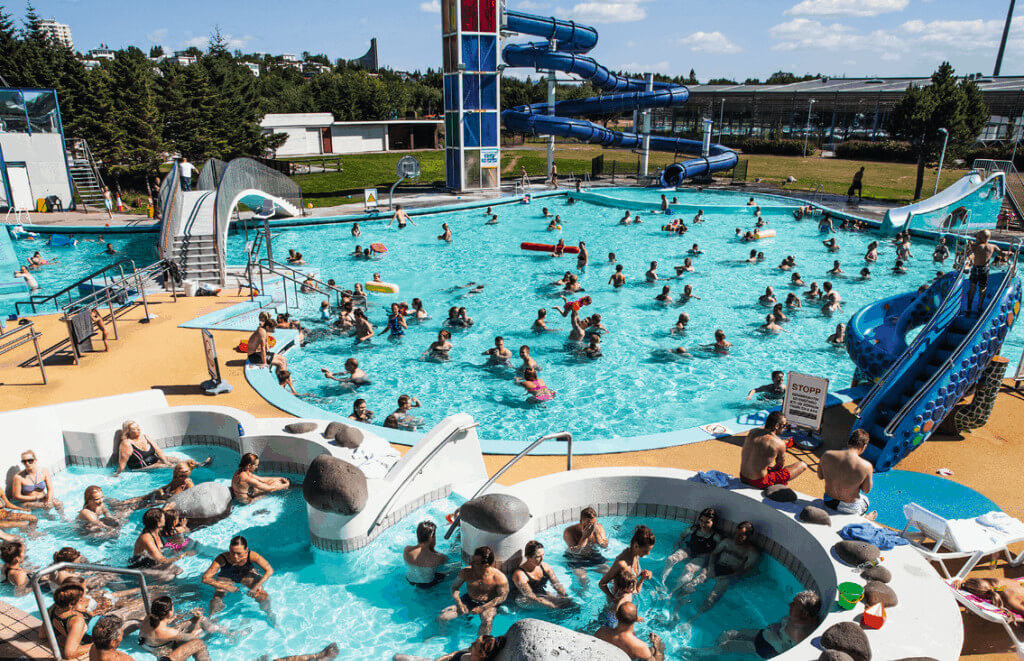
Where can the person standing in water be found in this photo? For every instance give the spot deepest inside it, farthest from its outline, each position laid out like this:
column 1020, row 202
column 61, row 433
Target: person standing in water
column 400, row 215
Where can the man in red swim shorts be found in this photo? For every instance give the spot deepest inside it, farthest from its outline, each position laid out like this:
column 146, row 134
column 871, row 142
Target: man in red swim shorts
column 762, row 460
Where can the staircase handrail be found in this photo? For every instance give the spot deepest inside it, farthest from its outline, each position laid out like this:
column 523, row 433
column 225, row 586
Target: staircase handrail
column 954, row 291
column 19, row 335
column 40, row 299
column 416, row 471
column 273, row 266
column 561, row 435
column 964, row 345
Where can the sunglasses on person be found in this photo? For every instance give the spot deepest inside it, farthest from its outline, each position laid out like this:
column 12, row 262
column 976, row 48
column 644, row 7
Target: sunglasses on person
column 29, row 460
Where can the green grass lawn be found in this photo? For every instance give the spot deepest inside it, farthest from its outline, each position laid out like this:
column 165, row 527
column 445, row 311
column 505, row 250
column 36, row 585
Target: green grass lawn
column 887, row 181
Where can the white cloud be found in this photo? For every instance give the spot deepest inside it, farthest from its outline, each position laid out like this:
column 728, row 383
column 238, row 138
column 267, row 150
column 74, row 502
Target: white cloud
column 157, row 36
column 609, row 11
column 431, row 6
column 846, row 7
column 198, row 42
column 806, row 33
column 230, row 42
column 710, row 42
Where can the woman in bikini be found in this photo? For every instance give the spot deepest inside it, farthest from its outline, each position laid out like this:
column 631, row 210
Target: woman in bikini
column 13, row 554
column 539, row 391
column 13, row 516
column 247, row 486
column 238, row 567
column 95, row 517
column 32, row 487
column 1004, row 593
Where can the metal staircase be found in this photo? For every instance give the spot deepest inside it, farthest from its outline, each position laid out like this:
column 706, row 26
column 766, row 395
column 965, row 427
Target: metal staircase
column 1014, row 187
column 85, row 175
column 196, row 256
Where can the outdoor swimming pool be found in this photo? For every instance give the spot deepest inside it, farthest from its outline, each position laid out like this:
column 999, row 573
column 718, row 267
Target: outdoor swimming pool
column 361, row 600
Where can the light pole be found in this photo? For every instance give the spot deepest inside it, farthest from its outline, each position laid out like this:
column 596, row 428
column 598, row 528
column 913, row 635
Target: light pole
column 945, row 138
column 721, row 119
column 807, row 130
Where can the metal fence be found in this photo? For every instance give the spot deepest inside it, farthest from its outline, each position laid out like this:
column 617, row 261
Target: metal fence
column 211, row 174
column 170, row 206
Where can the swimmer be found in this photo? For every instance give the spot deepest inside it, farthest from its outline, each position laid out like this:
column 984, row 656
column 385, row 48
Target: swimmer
column 695, row 250
column 356, row 376
column 110, row 250
column 545, row 213
column 539, row 324
column 793, row 301
column 611, row 258
column 401, row 216
column 498, row 354
column 721, row 345
column 831, row 303
column 417, row 310
column 748, row 236
column 572, row 306
column 941, row 252
column 865, row 273
column 593, row 322
column 284, row 379
column 752, row 259
column 356, row 232
column 593, row 350
column 564, row 280
column 294, row 257
column 795, row 280
column 535, row 386
column 30, row 279
column 396, row 322
column 583, row 257
column 552, row 226
column 664, row 202
column 699, row 218
column 528, row 362
column 872, row 254
column 652, row 274
column 400, row 417
column 903, row 250
column 364, row 330
column 687, row 267
column 687, row 295
column 899, row 269
column 446, row 233
column 559, row 248
column 464, row 319
column 681, row 324
column 774, row 390
column 618, row 278
column 831, row 245
column 838, row 338
column 665, row 296
column 640, row 545
column 768, row 298
column 770, row 325
column 835, row 270
column 488, row 211
column 626, row 220
column 359, row 411
column 325, row 310
column 493, row 220
column 813, row 293
column 760, row 256
column 750, row 202
column 358, row 252
column 440, row 349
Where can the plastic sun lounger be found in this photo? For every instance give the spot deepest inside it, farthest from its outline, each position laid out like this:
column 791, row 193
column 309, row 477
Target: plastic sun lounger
column 992, row 613
column 953, row 539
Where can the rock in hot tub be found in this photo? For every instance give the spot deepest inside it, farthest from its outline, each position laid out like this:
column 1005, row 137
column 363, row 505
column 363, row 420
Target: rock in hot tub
column 496, row 513
column 335, row 485
column 205, row 503
column 535, row 640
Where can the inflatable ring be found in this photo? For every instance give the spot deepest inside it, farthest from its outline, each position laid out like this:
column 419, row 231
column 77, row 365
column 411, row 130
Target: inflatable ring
column 766, row 234
column 450, row 518
column 381, row 287
column 243, row 346
column 378, row 247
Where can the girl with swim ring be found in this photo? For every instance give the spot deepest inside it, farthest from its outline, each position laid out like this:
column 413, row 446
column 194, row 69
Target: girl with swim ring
column 535, row 386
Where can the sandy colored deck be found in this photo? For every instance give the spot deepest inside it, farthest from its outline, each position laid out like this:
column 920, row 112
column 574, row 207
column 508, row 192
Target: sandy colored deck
column 160, row 355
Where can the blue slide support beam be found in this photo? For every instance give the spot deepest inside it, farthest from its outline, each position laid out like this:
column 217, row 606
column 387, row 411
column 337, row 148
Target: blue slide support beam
column 625, row 94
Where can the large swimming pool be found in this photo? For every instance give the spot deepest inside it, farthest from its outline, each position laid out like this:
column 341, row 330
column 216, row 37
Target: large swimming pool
column 361, row 600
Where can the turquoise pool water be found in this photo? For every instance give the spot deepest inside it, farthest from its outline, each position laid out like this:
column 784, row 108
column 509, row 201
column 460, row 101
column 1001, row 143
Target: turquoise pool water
column 636, row 388
column 361, row 600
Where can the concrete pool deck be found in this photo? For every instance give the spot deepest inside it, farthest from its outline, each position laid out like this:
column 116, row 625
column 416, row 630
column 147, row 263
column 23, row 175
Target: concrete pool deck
column 161, row 355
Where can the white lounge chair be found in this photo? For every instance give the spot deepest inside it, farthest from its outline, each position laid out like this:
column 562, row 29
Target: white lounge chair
column 939, row 539
column 989, row 611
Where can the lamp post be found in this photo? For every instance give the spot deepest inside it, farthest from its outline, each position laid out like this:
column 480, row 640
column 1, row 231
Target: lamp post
column 945, row 138
column 807, row 130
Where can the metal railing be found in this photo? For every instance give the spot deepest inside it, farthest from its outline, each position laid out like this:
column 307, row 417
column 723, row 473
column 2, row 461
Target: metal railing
column 1011, row 179
column 34, row 578
column 965, row 344
column 292, row 275
column 953, row 294
column 42, row 299
column 417, row 471
column 562, row 435
column 18, row 336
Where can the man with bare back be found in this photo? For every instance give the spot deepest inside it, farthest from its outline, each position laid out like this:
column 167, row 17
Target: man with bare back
column 848, row 477
column 762, row 459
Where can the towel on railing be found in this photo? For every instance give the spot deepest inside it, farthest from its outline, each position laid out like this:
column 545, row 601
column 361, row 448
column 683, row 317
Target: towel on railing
column 883, row 538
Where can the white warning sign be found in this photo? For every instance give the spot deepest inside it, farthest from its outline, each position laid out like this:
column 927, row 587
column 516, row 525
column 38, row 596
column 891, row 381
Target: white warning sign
column 370, row 199
column 804, row 404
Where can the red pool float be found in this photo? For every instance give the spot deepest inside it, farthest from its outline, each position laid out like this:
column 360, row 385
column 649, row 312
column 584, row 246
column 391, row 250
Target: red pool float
column 378, row 247
column 544, row 247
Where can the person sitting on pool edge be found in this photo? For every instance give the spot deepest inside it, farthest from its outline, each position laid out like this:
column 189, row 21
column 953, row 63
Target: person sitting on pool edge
column 762, row 459
column 238, row 567
column 775, row 638
column 623, row 637
column 257, row 348
column 422, row 560
column 486, row 589
column 848, row 476
column 247, row 486
column 530, row 580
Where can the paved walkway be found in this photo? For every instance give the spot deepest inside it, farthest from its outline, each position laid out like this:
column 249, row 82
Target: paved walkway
column 19, row 635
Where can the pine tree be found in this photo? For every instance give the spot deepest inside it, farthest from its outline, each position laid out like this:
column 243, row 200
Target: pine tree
column 136, row 145
column 692, row 80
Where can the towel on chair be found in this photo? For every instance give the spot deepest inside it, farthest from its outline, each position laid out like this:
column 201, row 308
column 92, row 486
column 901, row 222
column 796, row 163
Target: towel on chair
column 883, row 538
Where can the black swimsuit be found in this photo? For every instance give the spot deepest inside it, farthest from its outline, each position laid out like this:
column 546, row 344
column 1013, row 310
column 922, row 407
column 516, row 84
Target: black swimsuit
column 232, row 572
column 142, row 458
column 698, row 545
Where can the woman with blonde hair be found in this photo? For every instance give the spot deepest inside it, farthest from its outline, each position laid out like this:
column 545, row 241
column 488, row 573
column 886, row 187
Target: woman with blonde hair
column 1002, row 593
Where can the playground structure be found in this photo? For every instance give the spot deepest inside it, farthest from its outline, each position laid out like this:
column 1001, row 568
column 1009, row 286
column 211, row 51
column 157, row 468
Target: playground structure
column 971, row 203
column 917, row 385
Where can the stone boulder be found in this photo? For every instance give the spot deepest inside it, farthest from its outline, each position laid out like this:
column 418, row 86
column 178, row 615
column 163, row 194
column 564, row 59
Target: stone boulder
column 876, row 592
column 856, row 553
column 205, row 503
column 535, row 640
column 849, row 638
column 780, row 494
column 332, row 429
column 878, row 573
column 334, row 485
column 496, row 513
column 300, row 427
column 349, row 437
column 834, row 655
column 815, row 515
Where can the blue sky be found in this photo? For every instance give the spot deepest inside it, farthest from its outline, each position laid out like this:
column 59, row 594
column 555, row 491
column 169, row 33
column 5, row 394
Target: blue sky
column 738, row 39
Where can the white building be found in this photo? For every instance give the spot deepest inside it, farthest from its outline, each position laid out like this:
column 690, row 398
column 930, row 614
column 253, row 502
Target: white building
column 253, row 67
column 318, row 133
column 290, row 57
column 183, row 57
column 101, row 54
column 57, row 33
column 90, row 64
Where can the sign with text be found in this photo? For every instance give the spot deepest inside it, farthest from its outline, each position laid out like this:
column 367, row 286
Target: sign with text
column 211, row 356
column 370, row 199
column 488, row 158
column 805, row 400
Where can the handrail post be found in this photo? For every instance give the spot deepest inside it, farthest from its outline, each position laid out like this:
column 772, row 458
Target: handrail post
column 39, row 356
column 142, row 290
column 51, row 637
column 113, row 320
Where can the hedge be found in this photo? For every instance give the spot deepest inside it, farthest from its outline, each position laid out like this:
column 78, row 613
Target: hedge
column 887, row 150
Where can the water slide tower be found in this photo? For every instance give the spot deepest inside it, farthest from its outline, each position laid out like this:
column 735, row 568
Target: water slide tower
column 471, row 42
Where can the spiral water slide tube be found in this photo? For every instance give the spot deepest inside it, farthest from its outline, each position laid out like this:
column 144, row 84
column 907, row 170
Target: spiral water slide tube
column 626, row 94
column 917, row 384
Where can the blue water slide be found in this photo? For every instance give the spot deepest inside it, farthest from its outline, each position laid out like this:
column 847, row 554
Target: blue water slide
column 917, row 384
column 625, row 94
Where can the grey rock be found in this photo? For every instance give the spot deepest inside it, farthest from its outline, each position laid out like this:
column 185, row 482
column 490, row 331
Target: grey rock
column 855, row 553
column 816, row 515
column 876, row 592
column 332, row 429
column 496, row 512
column 834, row 655
column 534, row 640
column 349, row 437
column 780, row 494
column 334, row 485
column 878, row 573
column 205, row 503
column 847, row 637
column 300, row 427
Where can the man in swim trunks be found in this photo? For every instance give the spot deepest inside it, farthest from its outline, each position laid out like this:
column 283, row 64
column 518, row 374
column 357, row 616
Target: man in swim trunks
column 400, row 215
column 775, row 638
column 762, row 459
column 499, row 354
column 446, row 233
column 356, row 376
column 980, row 255
column 247, row 486
column 617, row 279
column 652, row 274
column 258, row 345
column 359, row 411
column 528, row 361
column 848, row 477
column 623, row 637
column 421, row 560
column 486, row 589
